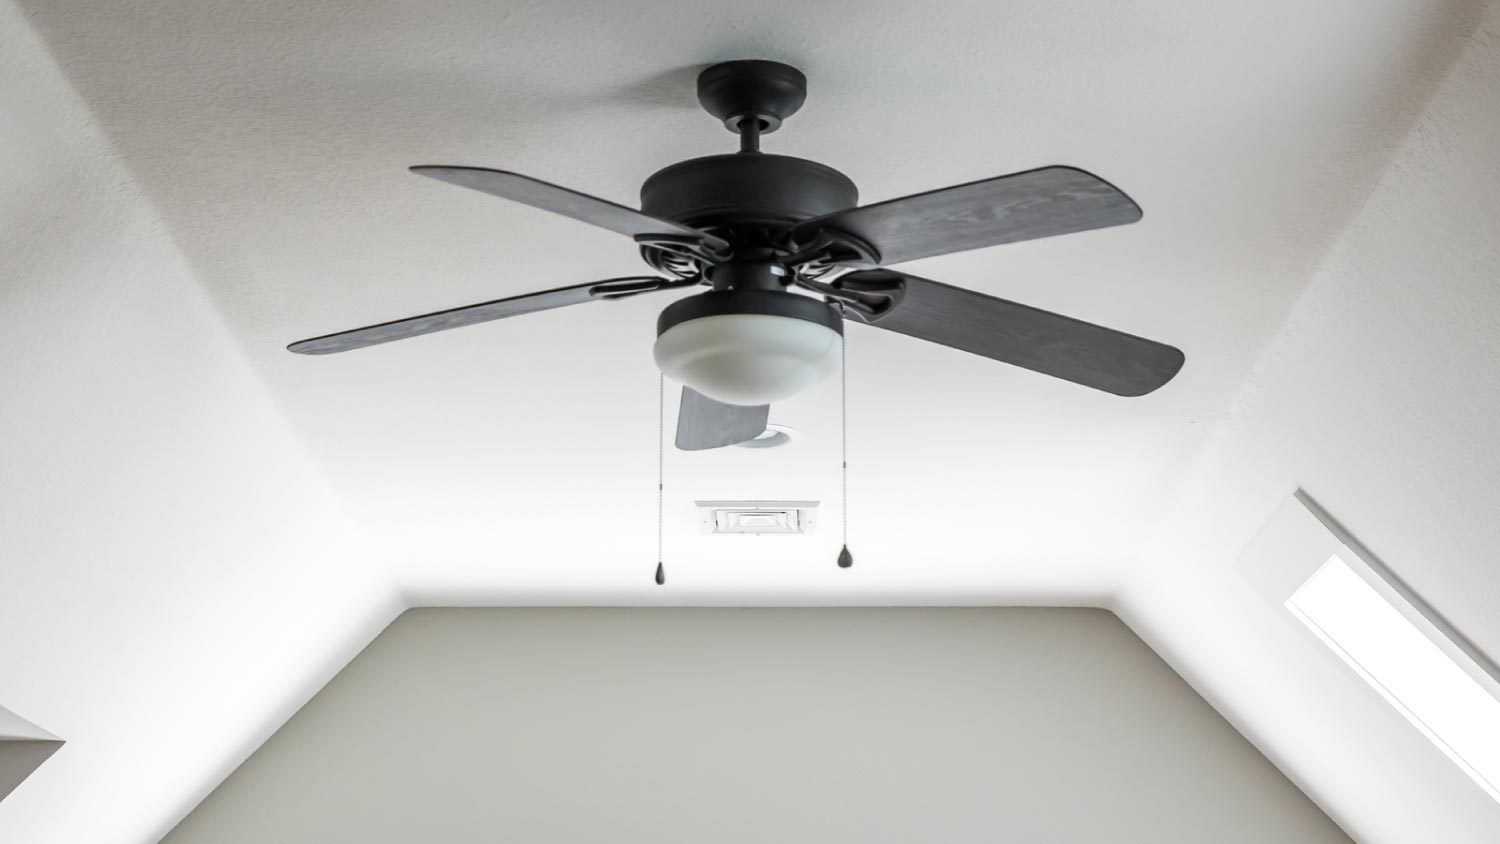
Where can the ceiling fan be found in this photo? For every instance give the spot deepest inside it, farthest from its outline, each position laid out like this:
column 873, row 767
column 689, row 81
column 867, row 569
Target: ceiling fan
column 788, row 253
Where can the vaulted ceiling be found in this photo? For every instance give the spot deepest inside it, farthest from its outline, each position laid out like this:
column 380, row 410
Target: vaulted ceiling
column 255, row 154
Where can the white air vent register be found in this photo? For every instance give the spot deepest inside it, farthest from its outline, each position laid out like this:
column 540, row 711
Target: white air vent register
column 757, row 517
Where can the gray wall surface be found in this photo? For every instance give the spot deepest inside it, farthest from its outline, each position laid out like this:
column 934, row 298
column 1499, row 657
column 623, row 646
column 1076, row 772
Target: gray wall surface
column 757, row 725
column 19, row 758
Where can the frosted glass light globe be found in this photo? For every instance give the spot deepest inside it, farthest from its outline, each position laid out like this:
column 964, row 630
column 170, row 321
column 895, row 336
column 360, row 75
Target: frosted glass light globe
column 747, row 358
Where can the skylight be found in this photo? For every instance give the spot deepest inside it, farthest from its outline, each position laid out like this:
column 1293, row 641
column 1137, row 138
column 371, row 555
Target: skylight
column 1405, row 665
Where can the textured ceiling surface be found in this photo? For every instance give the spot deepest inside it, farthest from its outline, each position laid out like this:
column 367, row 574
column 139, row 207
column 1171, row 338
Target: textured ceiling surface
column 518, row 456
column 251, row 157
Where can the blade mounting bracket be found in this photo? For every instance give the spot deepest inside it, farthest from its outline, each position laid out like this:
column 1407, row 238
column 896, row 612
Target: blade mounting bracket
column 870, row 299
column 626, row 289
column 684, row 257
column 830, row 250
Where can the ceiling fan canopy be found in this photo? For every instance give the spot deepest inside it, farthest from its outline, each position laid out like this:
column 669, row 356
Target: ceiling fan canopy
column 788, row 255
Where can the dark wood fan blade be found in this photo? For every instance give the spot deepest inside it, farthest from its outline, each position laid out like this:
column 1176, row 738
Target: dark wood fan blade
column 1006, row 209
column 569, row 203
column 704, row 423
column 401, row 329
column 1023, row 336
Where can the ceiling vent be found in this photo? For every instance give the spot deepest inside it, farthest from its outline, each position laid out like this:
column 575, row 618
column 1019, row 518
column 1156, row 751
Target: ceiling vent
column 757, row 517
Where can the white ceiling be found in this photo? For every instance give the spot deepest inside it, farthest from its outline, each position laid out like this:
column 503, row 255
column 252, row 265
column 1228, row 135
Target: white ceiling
column 515, row 462
column 273, row 138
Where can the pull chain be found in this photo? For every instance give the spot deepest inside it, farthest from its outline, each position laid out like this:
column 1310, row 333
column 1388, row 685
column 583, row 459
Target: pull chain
column 661, row 427
column 845, row 558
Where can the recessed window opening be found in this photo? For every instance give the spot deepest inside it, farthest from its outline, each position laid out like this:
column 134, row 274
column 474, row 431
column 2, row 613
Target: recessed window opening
column 1381, row 638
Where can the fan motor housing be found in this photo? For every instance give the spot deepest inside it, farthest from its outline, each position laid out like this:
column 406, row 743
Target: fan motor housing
column 740, row 189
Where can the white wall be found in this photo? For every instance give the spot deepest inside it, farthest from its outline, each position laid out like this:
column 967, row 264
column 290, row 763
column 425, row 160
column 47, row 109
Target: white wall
column 753, row 725
column 1381, row 397
column 169, row 552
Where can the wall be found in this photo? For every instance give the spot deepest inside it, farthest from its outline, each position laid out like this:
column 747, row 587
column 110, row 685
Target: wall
column 1380, row 397
column 750, row 725
column 168, row 549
